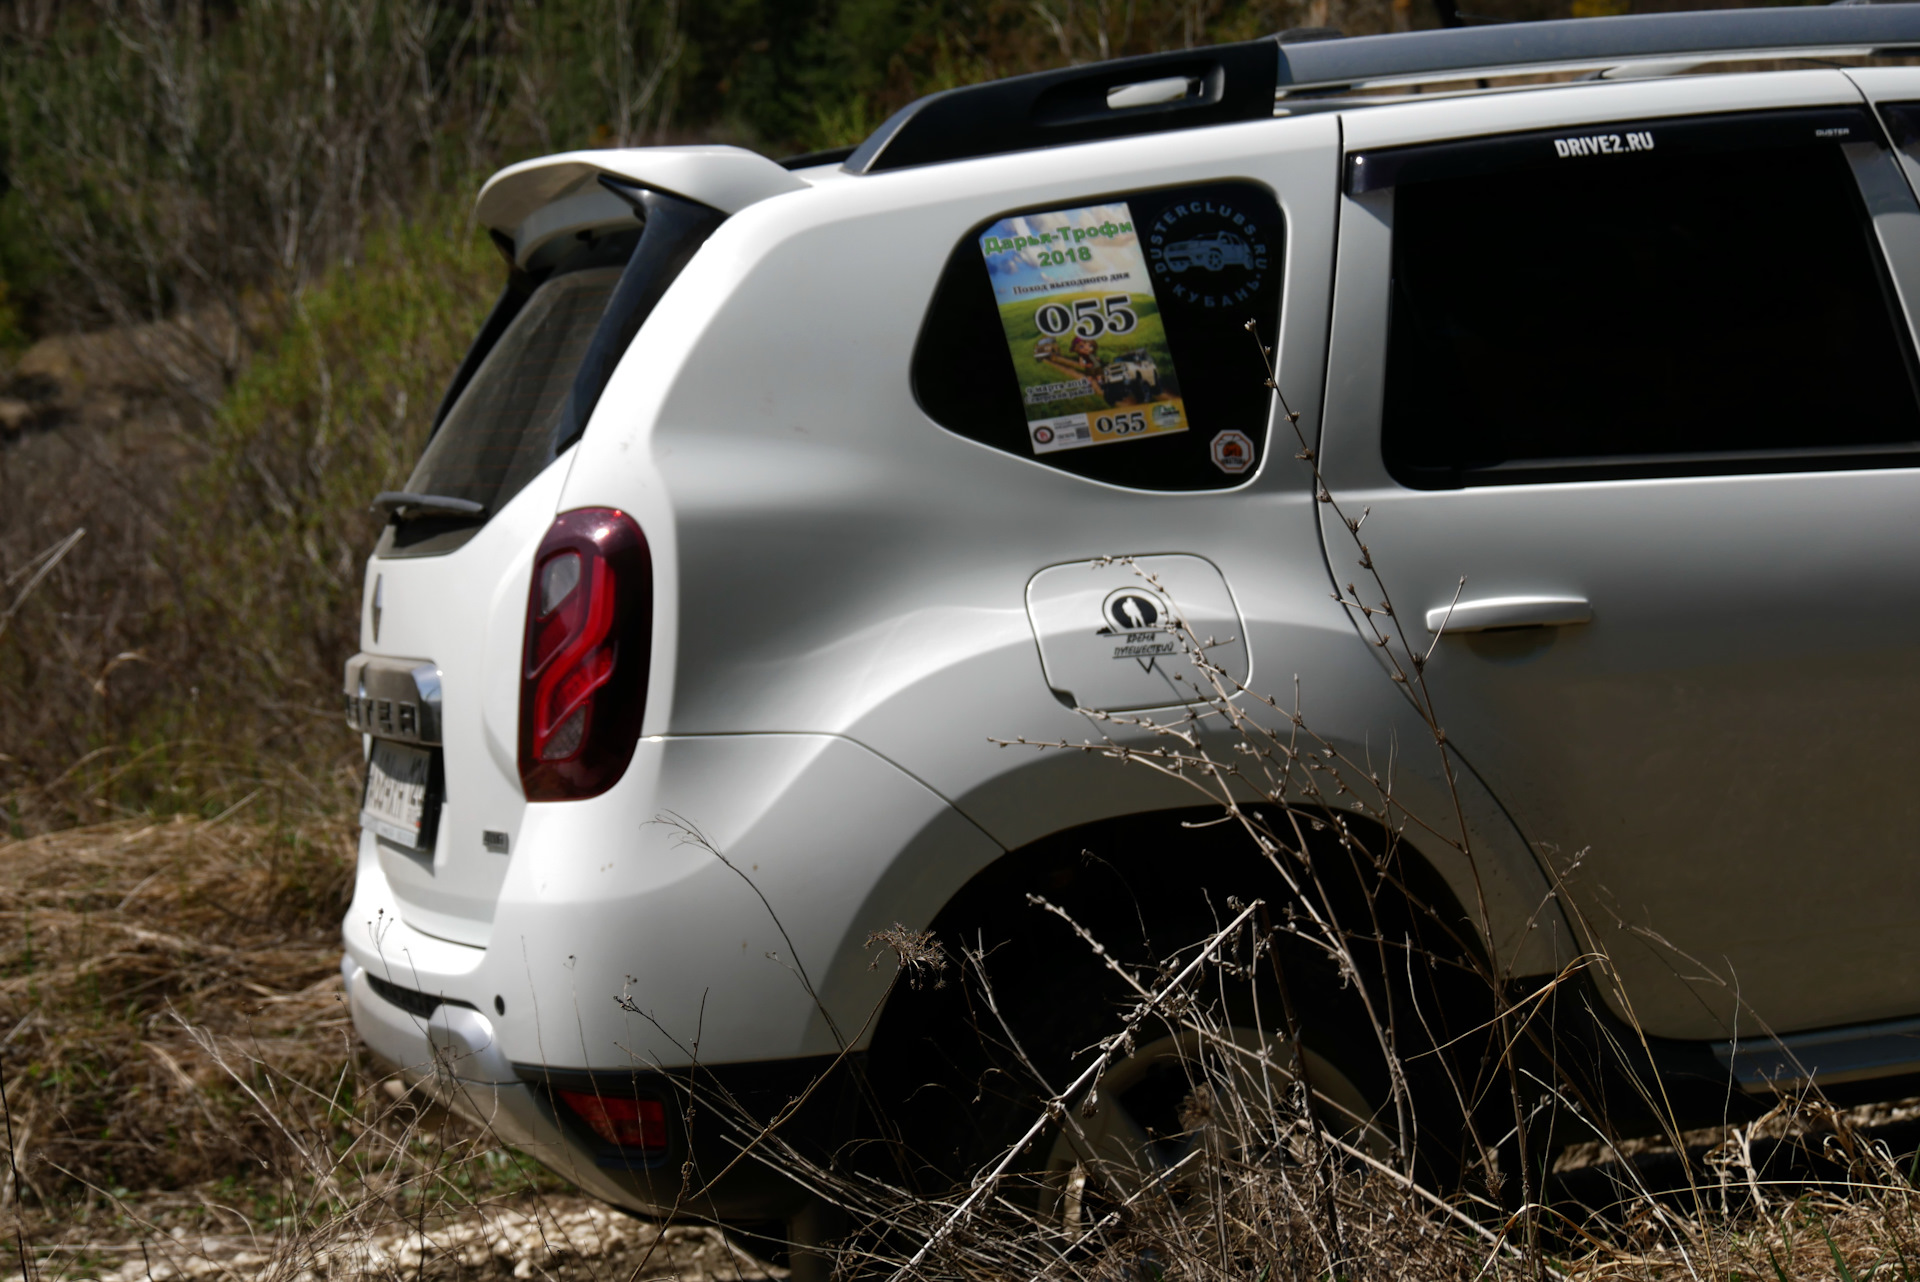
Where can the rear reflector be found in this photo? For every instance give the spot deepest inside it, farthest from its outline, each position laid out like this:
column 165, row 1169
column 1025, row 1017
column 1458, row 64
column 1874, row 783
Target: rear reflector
column 589, row 637
column 622, row 1121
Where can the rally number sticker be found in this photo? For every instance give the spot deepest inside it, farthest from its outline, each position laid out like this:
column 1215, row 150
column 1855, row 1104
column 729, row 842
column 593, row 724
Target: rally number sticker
column 1089, row 346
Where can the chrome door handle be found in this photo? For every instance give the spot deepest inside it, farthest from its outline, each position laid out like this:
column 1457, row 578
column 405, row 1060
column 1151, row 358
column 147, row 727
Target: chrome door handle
column 1484, row 614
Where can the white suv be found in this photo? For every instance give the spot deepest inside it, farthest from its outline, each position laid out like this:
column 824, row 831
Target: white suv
column 773, row 500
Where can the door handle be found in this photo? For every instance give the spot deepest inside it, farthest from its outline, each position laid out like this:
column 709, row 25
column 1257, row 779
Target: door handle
column 1484, row 614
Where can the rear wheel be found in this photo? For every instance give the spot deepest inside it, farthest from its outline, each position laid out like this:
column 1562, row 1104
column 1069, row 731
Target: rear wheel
column 968, row 1077
column 813, row 1233
column 966, row 1069
column 1156, row 1113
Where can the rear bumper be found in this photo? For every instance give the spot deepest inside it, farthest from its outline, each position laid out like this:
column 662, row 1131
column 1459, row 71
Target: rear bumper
column 452, row 1054
column 618, row 943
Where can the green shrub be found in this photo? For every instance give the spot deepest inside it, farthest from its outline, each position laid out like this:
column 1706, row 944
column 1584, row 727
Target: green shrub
column 273, row 531
column 238, row 588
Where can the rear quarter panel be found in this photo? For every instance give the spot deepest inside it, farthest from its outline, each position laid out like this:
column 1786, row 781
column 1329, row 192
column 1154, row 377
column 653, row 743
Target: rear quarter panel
column 829, row 560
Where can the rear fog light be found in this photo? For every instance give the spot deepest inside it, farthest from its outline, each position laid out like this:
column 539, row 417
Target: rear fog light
column 626, row 1122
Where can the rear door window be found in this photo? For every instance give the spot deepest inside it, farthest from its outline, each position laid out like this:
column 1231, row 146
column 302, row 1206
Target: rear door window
column 1680, row 297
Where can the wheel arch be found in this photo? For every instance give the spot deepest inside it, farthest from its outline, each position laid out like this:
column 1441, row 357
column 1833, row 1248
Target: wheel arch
column 1209, row 844
column 1148, row 886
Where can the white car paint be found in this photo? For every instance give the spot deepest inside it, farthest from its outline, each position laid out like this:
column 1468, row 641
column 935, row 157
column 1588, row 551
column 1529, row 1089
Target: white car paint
column 846, row 628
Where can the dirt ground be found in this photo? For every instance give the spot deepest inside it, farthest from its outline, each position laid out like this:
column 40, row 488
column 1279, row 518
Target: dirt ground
column 556, row 1237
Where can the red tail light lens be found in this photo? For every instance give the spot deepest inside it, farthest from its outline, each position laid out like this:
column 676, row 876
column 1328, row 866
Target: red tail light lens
column 583, row 675
column 624, row 1122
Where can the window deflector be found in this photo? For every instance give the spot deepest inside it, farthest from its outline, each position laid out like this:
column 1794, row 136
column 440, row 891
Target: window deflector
column 1544, row 150
column 1894, row 92
column 1896, row 224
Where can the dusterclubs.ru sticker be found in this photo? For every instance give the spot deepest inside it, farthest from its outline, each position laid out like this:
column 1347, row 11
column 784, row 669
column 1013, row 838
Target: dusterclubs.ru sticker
column 1081, row 319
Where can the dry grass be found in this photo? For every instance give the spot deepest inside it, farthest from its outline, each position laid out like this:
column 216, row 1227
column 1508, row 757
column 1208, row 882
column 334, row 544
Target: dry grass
column 180, row 1069
column 184, row 1088
column 187, row 1098
column 125, row 942
column 1266, row 1181
column 562, row 1238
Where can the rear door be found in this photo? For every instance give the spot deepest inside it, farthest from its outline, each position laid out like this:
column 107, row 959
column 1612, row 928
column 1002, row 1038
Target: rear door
column 1635, row 363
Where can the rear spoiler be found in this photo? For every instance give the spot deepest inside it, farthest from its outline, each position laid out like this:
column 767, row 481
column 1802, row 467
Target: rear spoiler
column 535, row 201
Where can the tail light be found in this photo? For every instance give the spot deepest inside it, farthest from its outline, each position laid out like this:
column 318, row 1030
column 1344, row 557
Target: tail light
column 583, row 673
column 628, row 1122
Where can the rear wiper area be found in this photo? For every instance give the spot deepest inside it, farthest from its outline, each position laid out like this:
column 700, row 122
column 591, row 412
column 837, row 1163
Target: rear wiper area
column 405, row 505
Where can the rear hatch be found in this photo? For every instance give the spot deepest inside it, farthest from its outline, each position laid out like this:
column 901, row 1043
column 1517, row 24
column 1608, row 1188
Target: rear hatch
column 436, row 687
column 446, row 597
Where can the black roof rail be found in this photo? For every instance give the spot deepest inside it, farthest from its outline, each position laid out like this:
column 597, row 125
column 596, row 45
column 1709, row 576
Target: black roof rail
column 1185, row 89
column 1191, row 88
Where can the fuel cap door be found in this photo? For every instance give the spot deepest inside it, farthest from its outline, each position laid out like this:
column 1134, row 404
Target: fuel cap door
column 1120, row 634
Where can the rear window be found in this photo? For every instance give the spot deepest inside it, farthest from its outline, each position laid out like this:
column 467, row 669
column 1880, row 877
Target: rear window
column 1106, row 336
column 499, row 434
column 1656, row 298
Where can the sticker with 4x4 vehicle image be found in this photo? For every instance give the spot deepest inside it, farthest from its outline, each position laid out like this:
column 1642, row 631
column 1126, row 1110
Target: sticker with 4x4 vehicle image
column 1078, row 308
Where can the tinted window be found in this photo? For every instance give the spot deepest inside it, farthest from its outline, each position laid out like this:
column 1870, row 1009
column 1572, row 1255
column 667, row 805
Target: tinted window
column 1679, row 297
column 499, row 434
column 1107, row 336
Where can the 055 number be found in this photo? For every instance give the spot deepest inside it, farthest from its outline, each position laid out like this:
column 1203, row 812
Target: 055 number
column 1122, row 424
column 1088, row 317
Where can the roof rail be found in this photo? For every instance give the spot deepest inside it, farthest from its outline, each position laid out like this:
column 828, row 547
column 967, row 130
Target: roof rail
column 1574, row 43
column 1187, row 89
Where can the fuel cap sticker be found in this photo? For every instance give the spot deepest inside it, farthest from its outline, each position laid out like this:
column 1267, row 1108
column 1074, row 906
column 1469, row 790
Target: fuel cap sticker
column 1138, row 621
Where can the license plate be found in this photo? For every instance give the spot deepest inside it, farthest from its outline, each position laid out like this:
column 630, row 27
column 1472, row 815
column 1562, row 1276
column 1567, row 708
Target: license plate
column 399, row 802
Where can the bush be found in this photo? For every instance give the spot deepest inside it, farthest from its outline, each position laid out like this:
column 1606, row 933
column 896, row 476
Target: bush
column 233, row 586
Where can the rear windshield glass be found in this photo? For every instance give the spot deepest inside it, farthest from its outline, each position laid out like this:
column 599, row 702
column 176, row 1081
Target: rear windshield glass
column 499, row 434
